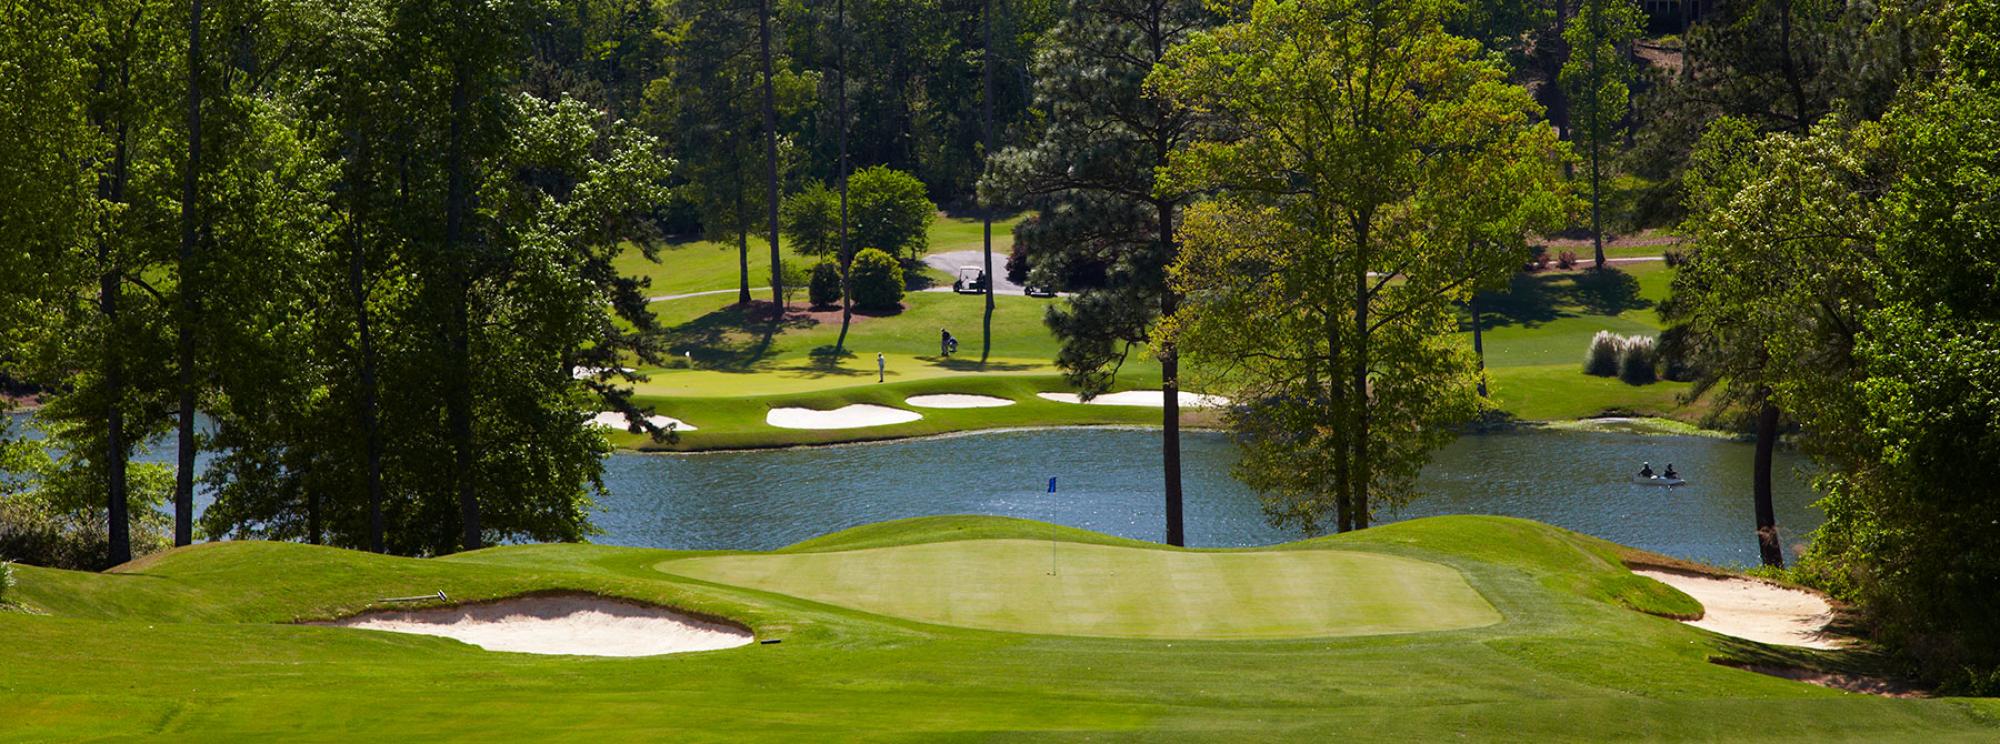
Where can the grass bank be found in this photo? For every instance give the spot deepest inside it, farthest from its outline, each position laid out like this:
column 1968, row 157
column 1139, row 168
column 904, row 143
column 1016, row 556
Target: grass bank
column 199, row 643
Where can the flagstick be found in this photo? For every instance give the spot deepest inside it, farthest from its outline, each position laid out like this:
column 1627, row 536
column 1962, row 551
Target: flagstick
column 1052, row 533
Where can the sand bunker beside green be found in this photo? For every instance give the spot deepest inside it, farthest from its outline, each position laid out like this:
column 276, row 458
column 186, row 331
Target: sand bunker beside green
column 1122, row 592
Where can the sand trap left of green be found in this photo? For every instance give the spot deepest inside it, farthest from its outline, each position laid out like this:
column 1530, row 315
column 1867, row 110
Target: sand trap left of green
column 1119, row 592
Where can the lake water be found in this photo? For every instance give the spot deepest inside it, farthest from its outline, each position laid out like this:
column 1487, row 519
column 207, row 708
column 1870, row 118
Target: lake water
column 1108, row 480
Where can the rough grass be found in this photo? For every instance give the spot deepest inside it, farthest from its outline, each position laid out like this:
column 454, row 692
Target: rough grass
column 197, row 644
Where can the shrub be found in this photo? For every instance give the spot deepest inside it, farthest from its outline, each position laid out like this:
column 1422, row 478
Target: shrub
column 825, row 289
column 1635, row 360
column 1566, row 260
column 1676, row 355
column 1674, row 257
column 1540, row 260
column 796, row 278
column 1602, row 360
column 6, row 581
column 876, row 280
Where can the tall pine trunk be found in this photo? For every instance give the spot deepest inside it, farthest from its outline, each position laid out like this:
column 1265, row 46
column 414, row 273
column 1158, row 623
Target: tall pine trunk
column 1361, row 476
column 771, row 155
column 1771, row 550
column 111, row 188
column 458, row 402
column 986, row 210
column 1478, row 342
column 1170, row 401
column 184, row 330
column 840, row 95
column 742, row 246
column 1595, row 129
column 357, row 290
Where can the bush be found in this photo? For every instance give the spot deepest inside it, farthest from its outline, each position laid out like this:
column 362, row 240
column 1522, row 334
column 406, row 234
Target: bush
column 1674, row 257
column 825, row 290
column 6, row 580
column 796, row 278
column 1566, row 260
column 876, row 280
column 1676, row 355
column 1635, row 360
column 1602, row 360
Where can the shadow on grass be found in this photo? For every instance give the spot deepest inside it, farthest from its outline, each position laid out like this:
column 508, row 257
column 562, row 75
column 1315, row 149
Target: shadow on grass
column 968, row 364
column 1533, row 299
column 735, row 338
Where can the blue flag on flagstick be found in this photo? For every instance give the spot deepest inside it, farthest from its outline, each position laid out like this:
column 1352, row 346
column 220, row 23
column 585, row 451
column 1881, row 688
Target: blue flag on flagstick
column 1052, row 485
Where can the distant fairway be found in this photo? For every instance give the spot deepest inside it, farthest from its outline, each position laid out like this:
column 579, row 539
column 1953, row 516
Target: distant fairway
column 1121, row 592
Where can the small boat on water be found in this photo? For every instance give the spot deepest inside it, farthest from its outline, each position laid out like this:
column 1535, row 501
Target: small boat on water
column 1658, row 480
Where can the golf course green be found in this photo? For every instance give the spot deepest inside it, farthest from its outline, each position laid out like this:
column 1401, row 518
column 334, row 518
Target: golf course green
column 1550, row 640
column 1043, row 586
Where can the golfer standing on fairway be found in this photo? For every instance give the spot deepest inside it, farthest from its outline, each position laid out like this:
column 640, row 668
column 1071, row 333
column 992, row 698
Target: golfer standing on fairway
column 881, row 367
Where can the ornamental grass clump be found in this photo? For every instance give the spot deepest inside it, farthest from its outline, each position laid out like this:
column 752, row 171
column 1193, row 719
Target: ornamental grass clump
column 1635, row 360
column 1602, row 360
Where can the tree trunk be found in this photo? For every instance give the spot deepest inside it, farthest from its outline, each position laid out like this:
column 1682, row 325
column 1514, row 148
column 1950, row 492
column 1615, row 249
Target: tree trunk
column 1595, row 129
column 1336, row 396
column 1170, row 384
column 840, row 94
column 986, row 220
column 1772, row 550
column 459, row 327
column 184, row 329
column 742, row 247
column 111, row 187
column 1478, row 342
column 771, row 155
column 1361, row 477
column 357, row 290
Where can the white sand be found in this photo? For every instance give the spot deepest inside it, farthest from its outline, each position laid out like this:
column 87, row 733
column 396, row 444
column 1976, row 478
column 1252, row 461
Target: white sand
column 1754, row 610
column 1149, row 398
column 579, row 624
column 957, row 400
column 845, row 417
column 619, row 421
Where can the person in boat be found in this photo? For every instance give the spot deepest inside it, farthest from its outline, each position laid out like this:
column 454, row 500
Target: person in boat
column 1670, row 474
column 1646, row 471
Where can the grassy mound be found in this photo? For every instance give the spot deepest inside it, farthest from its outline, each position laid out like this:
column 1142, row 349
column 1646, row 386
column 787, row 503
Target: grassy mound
column 201, row 643
column 1043, row 586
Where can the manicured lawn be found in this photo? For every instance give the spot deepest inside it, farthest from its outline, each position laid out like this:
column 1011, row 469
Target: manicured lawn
column 197, row 644
column 1044, row 586
column 1536, row 333
column 703, row 265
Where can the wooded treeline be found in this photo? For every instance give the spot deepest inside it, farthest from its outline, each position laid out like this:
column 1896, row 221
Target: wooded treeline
column 372, row 241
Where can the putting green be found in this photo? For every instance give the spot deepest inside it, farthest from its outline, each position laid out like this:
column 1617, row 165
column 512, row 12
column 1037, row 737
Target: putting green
column 1100, row 590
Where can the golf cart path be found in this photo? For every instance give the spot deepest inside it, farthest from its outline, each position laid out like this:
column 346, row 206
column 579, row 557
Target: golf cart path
column 950, row 262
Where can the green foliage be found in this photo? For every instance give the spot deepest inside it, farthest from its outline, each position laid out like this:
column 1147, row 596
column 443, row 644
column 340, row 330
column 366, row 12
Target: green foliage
column 825, row 290
column 1089, row 176
column 811, row 222
column 1326, row 273
column 877, row 280
column 887, row 210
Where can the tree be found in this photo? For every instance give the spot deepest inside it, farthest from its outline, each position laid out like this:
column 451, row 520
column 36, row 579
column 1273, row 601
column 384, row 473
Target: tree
column 1091, row 178
column 1597, row 78
column 826, row 281
column 1777, row 276
column 709, row 103
column 890, row 212
column 1367, row 149
column 986, row 210
column 187, row 306
column 811, row 221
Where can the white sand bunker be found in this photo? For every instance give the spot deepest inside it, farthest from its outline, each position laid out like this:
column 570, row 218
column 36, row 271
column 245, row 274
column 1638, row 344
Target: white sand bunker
column 957, row 400
column 621, row 422
column 1754, row 610
column 845, row 417
column 576, row 624
column 1150, row 398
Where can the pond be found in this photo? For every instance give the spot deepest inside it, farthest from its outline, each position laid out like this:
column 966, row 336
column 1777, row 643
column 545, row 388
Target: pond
column 1108, row 480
